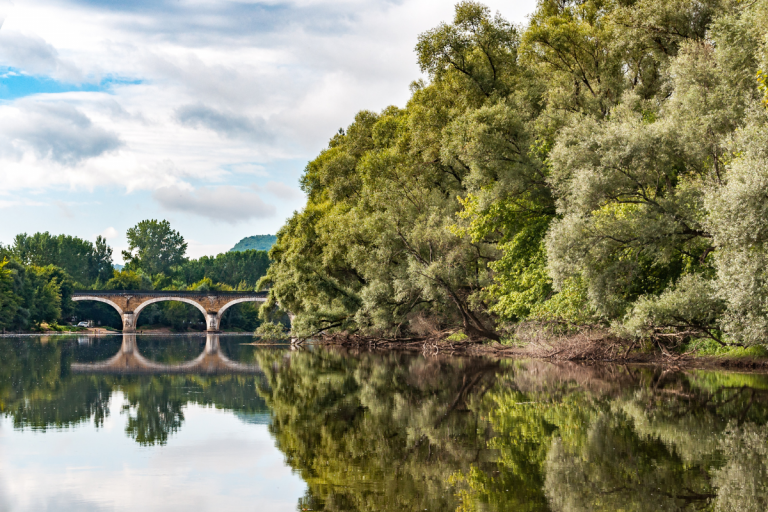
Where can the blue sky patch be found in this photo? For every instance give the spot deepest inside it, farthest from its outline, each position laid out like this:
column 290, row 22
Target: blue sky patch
column 14, row 85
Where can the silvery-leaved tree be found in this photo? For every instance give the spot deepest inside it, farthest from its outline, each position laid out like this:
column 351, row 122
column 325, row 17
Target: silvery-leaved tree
column 641, row 191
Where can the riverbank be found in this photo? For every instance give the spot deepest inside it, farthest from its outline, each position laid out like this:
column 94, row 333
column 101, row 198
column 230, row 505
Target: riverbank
column 588, row 348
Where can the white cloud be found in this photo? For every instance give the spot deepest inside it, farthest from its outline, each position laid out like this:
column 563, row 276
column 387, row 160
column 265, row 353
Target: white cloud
column 34, row 55
column 226, row 124
column 283, row 191
column 24, row 202
column 226, row 203
column 248, row 168
column 53, row 131
column 109, row 233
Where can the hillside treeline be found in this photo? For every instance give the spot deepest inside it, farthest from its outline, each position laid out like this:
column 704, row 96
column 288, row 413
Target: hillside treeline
column 38, row 274
column 606, row 164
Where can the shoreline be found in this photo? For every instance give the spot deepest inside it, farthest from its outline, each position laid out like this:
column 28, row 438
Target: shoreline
column 562, row 352
column 565, row 350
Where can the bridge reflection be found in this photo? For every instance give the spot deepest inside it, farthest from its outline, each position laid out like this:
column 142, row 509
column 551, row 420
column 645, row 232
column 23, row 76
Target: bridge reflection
column 129, row 361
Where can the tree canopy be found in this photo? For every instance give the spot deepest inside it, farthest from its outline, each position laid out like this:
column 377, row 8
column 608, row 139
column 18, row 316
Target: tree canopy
column 600, row 165
column 154, row 247
column 84, row 261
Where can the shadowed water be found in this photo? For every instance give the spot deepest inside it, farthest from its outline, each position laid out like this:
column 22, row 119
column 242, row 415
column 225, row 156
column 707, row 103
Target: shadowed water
column 207, row 423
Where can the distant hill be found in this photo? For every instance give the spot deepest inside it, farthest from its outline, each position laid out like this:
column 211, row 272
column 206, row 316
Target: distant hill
column 258, row 242
column 117, row 266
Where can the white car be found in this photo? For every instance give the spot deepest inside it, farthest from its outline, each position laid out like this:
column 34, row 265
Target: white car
column 83, row 324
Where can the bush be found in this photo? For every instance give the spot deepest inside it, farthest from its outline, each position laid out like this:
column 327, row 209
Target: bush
column 270, row 331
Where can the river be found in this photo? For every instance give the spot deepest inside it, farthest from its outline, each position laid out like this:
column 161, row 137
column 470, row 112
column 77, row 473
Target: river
column 198, row 423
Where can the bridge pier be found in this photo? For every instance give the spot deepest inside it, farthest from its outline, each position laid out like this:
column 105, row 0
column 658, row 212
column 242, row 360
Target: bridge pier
column 129, row 323
column 212, row 320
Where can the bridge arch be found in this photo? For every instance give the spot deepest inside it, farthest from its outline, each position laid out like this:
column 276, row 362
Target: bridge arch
column 167, row 299
column 206, row 315
column 237, row 301
column 99, row 299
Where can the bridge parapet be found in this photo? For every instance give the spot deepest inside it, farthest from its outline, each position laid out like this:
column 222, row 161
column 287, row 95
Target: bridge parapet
column 130, row 303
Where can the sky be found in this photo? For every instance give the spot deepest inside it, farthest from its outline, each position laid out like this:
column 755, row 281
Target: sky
column 201, row 112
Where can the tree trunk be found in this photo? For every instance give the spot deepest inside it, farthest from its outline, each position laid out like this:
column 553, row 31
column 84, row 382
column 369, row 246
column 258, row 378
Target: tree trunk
column 473, row 327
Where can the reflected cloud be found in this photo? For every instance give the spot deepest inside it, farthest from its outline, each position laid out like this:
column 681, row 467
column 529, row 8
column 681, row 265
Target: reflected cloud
column 214, row 463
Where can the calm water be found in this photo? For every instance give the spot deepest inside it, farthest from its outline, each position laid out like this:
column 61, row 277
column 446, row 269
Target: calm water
column 196, row 423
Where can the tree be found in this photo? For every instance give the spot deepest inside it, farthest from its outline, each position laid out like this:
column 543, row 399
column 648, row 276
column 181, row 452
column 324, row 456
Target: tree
column 235, row 268
column 101, row 262
column 376, row 248
column 127, row 280
column 154, row 247
column 84, row 262
column 9, row 301
column 42, row 294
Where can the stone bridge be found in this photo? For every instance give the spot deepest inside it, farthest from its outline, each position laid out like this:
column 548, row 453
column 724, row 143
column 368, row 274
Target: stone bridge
column 130, row 361
column 130, row 303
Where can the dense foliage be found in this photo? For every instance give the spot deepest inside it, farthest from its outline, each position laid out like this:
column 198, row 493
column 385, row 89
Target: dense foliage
column 85, row 262
column 236, row 269
column 31, row 295
column 606, row 164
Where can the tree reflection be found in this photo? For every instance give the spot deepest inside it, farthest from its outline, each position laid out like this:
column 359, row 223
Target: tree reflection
column 377, row 432
column 38, row 391
column 743, row 481
column 154, row 411
column 645, row 441
column 612, row 468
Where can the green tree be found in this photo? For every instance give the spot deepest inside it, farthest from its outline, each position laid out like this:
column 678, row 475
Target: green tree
column 646, row 192
column 9, row 301
column 128, row 280
column 376, row 248
column 43, row 294
column 85, row 262
column 235, row 268
column 154, row 247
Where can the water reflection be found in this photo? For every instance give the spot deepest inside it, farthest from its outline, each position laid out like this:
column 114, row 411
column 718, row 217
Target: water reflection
column 42, row 385
column 398, row 431
column 129, row 360
column 392, row 432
